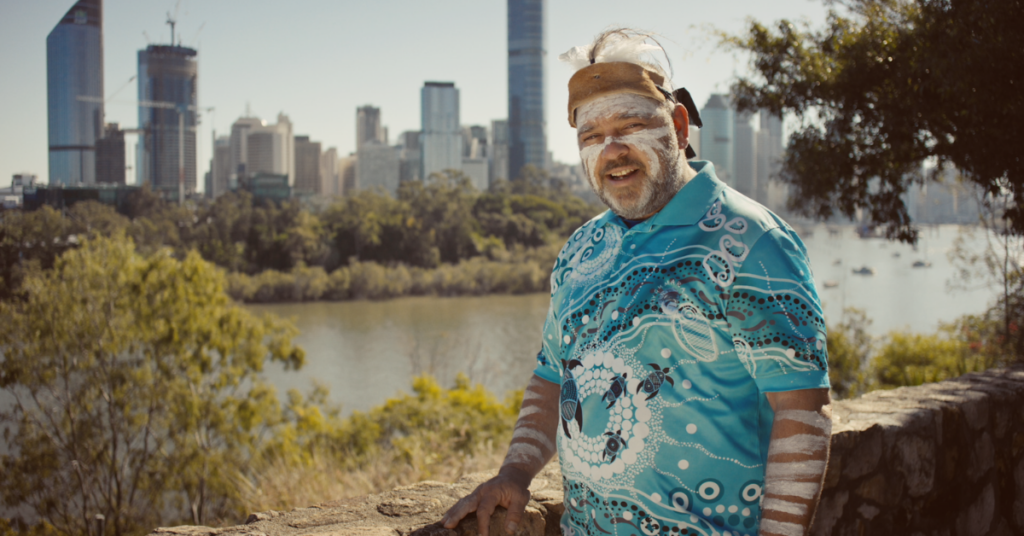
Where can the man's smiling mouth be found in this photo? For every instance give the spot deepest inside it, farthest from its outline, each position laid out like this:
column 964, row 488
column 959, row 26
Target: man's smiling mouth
column 623, row 174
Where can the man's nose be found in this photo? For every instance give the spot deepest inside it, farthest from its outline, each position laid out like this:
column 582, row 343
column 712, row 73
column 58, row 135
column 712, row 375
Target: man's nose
column 614, row 150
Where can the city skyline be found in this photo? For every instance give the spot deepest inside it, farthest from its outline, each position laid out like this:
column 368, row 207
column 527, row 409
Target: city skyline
column 389, row 52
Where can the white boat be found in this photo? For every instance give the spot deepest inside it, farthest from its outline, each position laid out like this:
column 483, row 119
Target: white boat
column 864, row 270
column 831, row 283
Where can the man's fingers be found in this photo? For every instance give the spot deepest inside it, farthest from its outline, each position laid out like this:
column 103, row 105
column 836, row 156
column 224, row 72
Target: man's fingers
column 459, row 511
column 484, row 511
column 516, row 507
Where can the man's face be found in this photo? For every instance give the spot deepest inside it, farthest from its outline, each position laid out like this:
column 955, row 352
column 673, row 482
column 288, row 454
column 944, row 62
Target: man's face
column 630, row 150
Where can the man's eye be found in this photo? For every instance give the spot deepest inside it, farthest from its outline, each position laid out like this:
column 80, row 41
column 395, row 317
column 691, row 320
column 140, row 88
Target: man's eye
column 634, row 126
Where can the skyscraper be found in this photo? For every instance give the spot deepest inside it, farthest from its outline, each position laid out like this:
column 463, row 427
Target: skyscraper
column 257, row 147
column 110, row 156
column 74, row 69
column 772, row 194
column 368, row 126
column 498, row 154
column 220, row 168
column 744, row 166
column 716, row 137
column 528, row 144
column 307, row 166
column 441, row 138
column 167, row 74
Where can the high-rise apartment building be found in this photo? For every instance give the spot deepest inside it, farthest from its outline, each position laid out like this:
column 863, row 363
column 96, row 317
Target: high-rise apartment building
column 110, row 156
column 369, row 127
column 441, row 138
column 499, row 150
column 330, row 184
column 257, row 147
column 307, row 166
column 74, row 93
column 167, row 74
column 744, row 166
column 528, row 143
column 717, row 135
column 409, row 156
column 771, row 193
column 474, row 156
column 220, row 168
column 378, row 167
column 347, row 174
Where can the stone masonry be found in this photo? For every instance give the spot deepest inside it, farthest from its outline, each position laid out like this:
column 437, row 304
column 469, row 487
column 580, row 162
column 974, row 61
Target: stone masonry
column 943, row 459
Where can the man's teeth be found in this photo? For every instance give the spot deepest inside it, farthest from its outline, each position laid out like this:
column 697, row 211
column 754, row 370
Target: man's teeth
column 622, row 173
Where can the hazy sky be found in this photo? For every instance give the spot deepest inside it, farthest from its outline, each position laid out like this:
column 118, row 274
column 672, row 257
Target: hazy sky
column 318, row 60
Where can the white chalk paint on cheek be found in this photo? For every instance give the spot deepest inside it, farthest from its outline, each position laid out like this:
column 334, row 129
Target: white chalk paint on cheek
column 810, row 418
column 780, row 527
column 789, row 488
column 795, row 469
column 798, row 444
column 525, row 431
column 779, row 505
column 523, row 453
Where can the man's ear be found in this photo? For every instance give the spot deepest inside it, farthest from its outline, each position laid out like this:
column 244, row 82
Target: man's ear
column 681, row 121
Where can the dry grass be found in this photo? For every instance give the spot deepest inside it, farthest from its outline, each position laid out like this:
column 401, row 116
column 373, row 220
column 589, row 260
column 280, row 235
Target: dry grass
column 281, row 486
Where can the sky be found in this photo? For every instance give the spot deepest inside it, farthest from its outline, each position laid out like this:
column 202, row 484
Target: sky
column 318, row 60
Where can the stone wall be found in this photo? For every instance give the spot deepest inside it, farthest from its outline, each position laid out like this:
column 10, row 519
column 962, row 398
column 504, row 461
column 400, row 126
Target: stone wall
column 944, row 459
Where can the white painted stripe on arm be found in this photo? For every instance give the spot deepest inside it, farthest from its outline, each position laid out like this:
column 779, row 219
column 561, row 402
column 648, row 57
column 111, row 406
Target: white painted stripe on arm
column 530, row 395
column 523, row 453
column 790, row 488
column 789, row 470
column 810, row 418
column 798, row 444
column 780, row 527
column 526, row 411
column 779, row 505
column 524, row 431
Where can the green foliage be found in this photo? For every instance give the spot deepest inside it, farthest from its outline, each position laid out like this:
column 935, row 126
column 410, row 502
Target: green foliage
column 849, row 348
column 137, row 389
column 519, row 271
column 913, row 358
column 886, row 85
column 418, row 429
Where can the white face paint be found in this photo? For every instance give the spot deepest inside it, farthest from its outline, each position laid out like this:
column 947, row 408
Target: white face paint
column 652, row 149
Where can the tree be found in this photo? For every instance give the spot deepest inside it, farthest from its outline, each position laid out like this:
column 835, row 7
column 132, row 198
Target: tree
column 885, row 86
column 849, row 348
column 136, row 390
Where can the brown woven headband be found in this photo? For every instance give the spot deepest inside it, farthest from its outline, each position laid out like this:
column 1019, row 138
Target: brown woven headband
column 603, row 79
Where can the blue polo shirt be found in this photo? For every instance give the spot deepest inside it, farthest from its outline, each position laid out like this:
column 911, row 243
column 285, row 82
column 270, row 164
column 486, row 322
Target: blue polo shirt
column 665, row 337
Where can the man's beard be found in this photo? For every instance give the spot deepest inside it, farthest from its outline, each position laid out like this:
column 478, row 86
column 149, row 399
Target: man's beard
column 657, row 188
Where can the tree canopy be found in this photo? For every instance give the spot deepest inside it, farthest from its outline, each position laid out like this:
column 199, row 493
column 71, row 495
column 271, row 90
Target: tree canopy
column 133, row 389
column 886, row 86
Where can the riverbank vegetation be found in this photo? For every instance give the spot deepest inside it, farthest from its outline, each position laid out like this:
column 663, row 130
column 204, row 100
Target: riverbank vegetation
column 435, row 237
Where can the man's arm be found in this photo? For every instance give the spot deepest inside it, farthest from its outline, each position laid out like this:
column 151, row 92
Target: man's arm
column 797, row 456
column 533, row 444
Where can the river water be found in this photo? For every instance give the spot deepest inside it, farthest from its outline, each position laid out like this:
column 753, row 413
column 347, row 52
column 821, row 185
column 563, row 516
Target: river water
column 365, row 351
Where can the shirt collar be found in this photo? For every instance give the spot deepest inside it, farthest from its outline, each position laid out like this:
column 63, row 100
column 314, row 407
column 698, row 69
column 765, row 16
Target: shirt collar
column 687, row 207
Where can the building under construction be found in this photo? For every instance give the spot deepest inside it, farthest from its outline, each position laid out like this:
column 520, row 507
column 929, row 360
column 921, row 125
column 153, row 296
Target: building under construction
column 167, row 74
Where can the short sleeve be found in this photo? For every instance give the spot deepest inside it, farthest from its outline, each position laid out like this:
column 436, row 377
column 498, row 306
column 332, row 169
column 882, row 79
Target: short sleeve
column 548, row 367
column 775, row 316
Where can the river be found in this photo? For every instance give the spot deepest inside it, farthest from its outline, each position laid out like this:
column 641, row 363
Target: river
column 367, row 351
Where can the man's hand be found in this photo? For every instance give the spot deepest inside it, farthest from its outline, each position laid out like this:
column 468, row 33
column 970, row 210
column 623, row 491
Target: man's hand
column 509, row 489
column 533, row 444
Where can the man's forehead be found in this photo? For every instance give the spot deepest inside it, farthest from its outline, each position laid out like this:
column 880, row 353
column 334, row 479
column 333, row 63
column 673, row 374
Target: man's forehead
column 620, row 106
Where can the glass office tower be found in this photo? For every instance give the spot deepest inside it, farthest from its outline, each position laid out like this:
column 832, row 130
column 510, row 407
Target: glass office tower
column 528, row 142
column 441, row 133
column 717, row 136
column 74, row 70
column 167, row 74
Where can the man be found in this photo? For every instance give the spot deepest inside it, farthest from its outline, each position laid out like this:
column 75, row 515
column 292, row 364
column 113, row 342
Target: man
column 683, row 371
